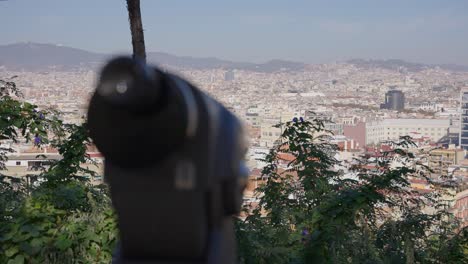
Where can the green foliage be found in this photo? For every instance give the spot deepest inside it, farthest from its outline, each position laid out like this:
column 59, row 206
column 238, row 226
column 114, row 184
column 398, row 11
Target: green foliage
column 312, row 213
column 11, row 196
column 40, row 233
column 63, row 219
column 73, row 150
column 64, row 186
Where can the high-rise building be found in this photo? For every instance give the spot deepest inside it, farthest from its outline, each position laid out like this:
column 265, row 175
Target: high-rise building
column 229, row 76
column 394, row 100
column 464, row 119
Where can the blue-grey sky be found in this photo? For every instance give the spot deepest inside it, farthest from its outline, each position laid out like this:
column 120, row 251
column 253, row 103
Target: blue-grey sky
column 252, row 30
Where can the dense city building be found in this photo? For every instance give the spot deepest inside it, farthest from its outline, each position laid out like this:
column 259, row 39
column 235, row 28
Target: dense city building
column 433, row 129
column 229, row 76
column 440, row 160
column 464, row 119
column 394, row 100
column 428, row 107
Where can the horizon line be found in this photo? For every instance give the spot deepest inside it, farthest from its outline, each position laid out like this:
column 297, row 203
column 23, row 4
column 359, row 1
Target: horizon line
column 237, row 61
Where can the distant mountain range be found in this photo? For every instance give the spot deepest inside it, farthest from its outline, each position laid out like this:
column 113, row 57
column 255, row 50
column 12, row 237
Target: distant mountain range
column 404, row 65
column 37, row 57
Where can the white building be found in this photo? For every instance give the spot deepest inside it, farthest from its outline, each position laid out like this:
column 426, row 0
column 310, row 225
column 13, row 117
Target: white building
column 252, row 119
column 269, row 135
column 347, row 120
column 430, row 106
column 393, row 129
column 255, row 155
column 375, row 132
column 434, row 129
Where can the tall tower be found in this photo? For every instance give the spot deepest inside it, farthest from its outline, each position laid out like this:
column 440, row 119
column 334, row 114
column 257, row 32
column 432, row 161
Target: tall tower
column 394, row 100
column 229, row 75
column 464, row 118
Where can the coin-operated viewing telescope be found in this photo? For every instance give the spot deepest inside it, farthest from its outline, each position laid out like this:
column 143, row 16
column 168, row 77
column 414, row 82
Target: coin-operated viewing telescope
column 173, row 162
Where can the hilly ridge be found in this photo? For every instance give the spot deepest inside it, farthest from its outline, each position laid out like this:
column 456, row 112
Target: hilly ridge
column 395, row 64
column 36, row 56
column 31, row 56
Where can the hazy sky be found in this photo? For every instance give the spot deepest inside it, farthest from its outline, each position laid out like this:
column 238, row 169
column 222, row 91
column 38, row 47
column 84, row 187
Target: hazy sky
column 252, row 30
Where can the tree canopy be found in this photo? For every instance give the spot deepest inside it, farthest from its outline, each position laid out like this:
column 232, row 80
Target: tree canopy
column 318, row 211
column 56, row 216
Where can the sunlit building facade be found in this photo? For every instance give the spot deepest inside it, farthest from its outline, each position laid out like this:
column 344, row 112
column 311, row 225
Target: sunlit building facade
column 464, row 119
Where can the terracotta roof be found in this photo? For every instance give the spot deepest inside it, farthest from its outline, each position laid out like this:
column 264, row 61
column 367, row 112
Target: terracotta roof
column 256, row 172
column 418, row 181
column 45, row 149
column 419, row 190
column 95, row 154
column 286, row 156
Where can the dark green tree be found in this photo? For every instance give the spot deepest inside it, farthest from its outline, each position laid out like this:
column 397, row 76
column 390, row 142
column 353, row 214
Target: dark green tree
column 312, row 212
column 62, row 218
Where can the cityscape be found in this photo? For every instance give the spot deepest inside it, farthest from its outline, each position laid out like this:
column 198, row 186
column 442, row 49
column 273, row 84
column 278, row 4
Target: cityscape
column 362, row 105
column 249, row 132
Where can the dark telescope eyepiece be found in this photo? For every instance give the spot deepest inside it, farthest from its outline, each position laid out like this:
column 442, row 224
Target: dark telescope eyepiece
column 129, row 83
column 134, row 103
column 173, row 162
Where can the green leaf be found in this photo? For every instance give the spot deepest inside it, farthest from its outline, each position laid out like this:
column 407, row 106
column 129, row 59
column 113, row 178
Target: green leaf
column 36, row 245
column 19, row 259
column 8, row 236
column 95, row 238
column 11, row 251
column 63, row 243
